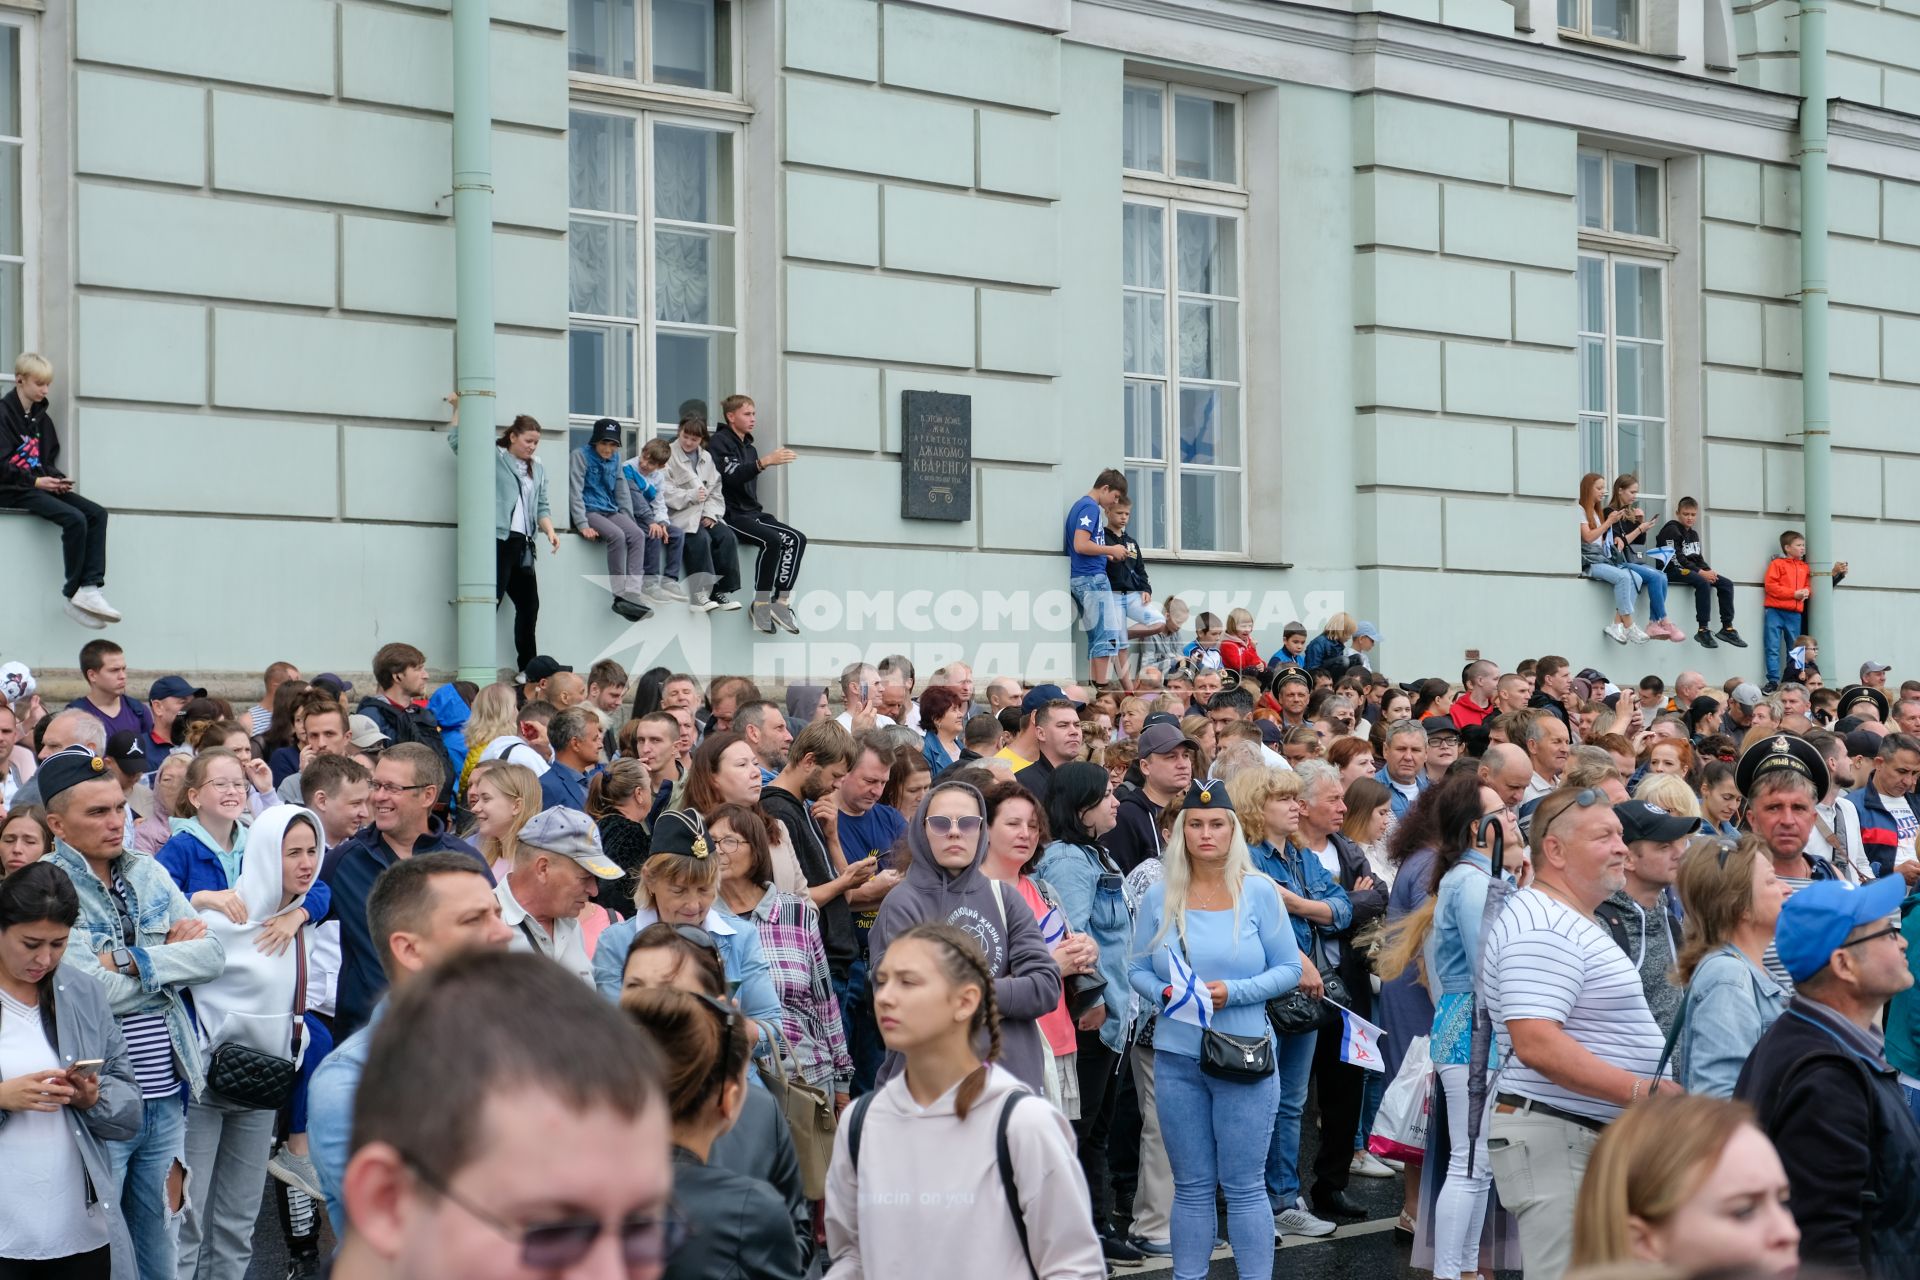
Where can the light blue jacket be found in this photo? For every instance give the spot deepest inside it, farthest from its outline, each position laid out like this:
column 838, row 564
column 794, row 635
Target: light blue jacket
column 1729, row 1004
column 164, row 967
column 1453, row 944
column 1397, row 798
column 739, row 941
column 1306, row 876
column 1251, row 950
column 330, row 1113
column 1074, row 873
column 506, row 489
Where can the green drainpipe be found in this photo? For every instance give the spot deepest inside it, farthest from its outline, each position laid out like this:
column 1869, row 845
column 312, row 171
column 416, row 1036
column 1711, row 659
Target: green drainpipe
column 473, row 337
column 1816, row 445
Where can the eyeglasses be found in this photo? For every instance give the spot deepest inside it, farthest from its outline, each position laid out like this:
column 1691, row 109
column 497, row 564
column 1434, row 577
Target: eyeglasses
column 941, row 825
column 646, row 1239
column 1585, row 800
column 392, row 789
column 727, row 844
column 1878, row 933
column 225, row 784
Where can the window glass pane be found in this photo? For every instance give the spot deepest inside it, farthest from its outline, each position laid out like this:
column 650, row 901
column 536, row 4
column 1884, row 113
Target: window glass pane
column 1209, row 253
column 691, row 44
column 1593, row 375
column 1210, row 425
column 1143, row 246
column 1640, row 378
column 1203, row 141
column 600, row 163
column 1593, row 445
column 1613, row 19
column 1636, row 198
column 1643, row 451
column 1146, row 435
column 1593, row 190
column 1147, row 487
column 1636, row 301
column 603, row 267
column 691, row 366
column 600, row 37
column 1209, row 340
column 1143, row 322
column 10, row 198
column 693, row 276
column 1141, row 132
column 1569, row 16
column 600, row 370
column 1593, row 295
column 1209, row 511
column 693, row 175
column 10, row 81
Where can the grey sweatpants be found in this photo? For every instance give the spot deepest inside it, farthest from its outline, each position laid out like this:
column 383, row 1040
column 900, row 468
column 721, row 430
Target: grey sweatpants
column 227, row 1149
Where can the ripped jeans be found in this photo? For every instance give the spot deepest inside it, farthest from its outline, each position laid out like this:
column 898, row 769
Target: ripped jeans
column 143, row 1167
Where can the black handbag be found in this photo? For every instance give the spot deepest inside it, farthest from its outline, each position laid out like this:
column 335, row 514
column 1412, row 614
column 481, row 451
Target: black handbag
column 262, row 1081
column 1084, row 991
column 1242, row 1059
column 1297, row 1013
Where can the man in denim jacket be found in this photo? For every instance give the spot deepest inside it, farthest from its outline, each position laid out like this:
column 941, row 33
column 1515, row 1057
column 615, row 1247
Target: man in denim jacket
column 138, row 937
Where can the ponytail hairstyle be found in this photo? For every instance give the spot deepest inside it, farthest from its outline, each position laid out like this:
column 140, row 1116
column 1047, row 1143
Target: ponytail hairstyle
column 963, row 964
column 614, row 785
column 703, row 1041
column 197, row 771
column 519, row 426
column 38, row 891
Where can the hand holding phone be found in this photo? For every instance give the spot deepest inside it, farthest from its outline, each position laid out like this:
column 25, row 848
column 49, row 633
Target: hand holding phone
column 86, row 1067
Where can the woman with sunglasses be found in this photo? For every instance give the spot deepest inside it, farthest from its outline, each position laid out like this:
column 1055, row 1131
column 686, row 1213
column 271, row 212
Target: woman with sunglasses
column 930, row 1139
column 1081, row 809
column 1732, row 899
column 944, row 883
column 737, row 1226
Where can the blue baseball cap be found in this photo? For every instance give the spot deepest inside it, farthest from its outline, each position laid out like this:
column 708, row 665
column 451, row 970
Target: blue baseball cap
column 1817, row 919
column 1041, row 694
column 173, row 687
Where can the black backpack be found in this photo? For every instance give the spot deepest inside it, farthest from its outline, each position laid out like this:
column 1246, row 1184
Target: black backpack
column 1003, row 1157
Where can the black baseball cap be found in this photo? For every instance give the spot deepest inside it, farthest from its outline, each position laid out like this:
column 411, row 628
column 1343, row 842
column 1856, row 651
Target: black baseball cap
column 542, row 668
column 126, row 750
column 604, row 429
column 1640, row 820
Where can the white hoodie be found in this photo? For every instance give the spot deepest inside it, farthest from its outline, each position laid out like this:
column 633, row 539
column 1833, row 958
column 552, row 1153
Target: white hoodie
column 927, row 1200
column 251, row 1002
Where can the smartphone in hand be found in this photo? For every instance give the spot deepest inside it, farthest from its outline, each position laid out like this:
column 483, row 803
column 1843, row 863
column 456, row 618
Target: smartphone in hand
column 87, row 1067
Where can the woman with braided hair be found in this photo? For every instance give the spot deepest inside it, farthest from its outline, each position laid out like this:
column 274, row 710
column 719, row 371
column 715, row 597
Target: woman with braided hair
column 951, row 1169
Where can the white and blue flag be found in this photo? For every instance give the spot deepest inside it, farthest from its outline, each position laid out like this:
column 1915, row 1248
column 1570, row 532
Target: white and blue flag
column 1359, row 1041
column 1189, row 1000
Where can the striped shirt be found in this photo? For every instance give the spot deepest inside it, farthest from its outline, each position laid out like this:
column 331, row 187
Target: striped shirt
column 1544, row 960
column 149, row 1043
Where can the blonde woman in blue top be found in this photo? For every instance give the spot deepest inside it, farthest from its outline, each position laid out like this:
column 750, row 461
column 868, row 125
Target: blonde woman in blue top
column 1227, row 920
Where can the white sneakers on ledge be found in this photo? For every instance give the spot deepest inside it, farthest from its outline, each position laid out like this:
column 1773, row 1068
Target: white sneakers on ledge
column 90, row 609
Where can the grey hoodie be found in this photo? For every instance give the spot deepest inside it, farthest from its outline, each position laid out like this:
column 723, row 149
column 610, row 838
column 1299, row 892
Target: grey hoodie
column 1027, row 982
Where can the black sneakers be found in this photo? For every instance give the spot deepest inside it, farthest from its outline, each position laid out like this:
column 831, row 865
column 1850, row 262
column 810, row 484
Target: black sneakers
column 1705, row 638
column 1729, row 636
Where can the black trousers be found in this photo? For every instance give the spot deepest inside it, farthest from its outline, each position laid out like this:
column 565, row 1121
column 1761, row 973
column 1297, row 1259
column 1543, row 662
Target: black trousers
column 83, row 533
column 97, row 1265
column 1339, row 1086
column 781, row 546
column 1097, row 1066
column 1703, row 594
column 712, row 559
column 513, row 578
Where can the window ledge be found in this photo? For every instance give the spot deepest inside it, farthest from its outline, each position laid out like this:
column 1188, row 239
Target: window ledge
column 633, row 93
column 1211, row 557
column 1617, row 46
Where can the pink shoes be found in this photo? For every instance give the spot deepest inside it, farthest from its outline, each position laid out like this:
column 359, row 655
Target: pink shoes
column 1665, row 629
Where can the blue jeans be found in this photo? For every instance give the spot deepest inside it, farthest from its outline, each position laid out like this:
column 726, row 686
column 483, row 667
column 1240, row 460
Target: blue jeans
column 1100, row 615
column 1207, row 1125
column 1293, row 1058
column 1626, row 581
column 1376, row 1089
column 864, row 1045
column 141, row 1166
column 1782, row 629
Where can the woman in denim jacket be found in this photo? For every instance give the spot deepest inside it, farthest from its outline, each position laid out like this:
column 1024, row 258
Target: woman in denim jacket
column 1733, row 900
column 1269, row 804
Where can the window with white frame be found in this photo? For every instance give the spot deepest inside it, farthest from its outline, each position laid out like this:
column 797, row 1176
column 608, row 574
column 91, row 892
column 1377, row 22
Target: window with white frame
column 677, row 44
column 654, row 291
column 1183, row 348
column 1622, row 323
column 17, row 177
column 1618, row 21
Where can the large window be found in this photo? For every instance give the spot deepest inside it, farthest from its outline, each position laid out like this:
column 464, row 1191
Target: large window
column 1183, row 346
column 1622, row 321
column 680, row 44
column 1615, row 20
column 654, row 293
column 17, row 161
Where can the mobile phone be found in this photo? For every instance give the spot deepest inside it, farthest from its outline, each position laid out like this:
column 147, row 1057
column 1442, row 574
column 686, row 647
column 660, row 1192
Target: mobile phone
column 87, row 1067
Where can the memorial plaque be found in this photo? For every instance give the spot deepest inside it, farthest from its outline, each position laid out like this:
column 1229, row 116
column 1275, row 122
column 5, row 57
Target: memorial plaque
column 936, row 456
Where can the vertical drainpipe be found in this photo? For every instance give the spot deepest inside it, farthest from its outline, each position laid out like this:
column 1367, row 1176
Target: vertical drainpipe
column 1816, row 445
column 473, row 338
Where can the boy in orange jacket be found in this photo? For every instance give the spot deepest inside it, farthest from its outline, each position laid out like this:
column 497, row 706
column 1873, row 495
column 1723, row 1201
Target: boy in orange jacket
column 1789, row 585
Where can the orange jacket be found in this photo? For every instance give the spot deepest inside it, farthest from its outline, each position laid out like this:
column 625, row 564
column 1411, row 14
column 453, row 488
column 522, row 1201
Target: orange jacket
column 1784, row 577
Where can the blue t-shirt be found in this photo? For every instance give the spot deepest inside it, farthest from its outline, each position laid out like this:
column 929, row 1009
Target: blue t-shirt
column 1086, row 514
column 872, row 833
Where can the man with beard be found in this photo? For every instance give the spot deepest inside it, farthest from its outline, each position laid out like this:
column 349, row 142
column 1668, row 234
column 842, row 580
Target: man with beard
column 802, row 795
column 1836, row 823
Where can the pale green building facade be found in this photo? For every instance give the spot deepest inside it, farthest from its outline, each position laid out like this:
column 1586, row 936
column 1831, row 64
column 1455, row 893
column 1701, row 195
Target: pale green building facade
column 1355, row 292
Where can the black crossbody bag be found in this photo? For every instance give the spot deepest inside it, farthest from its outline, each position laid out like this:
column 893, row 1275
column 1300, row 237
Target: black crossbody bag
column 1242, row 1059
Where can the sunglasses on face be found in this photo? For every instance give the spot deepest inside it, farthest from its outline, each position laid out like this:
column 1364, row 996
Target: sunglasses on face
column 941, row 825
column 646, row 1239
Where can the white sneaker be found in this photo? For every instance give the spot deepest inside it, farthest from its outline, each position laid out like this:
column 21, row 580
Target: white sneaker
column 1616, row 633
column 1364, row 1165
column 1635, row 634
column 85, row 619
column 703, row 602
column 1297, row 1221
column 673, row 590
column 90, row 599
column 653, row 593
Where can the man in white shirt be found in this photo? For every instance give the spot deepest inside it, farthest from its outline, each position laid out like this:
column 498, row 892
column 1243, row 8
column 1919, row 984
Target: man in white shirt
column 1547, row 745
column 529, row 746
column 860, row 691
column 1885, row 805
column 1404, row 772
column 1577, row 1041
column 554, row 868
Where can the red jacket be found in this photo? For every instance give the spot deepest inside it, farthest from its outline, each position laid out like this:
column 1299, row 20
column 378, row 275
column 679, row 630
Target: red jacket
column 1784, row 577
column 1466, row 712
column 1238, row 654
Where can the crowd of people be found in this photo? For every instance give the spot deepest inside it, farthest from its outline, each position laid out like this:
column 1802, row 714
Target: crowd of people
column 587, row 973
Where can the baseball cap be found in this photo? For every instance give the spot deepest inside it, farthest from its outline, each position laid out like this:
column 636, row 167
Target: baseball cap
column 1817, row 919
column 1039, row 696
column 1871, row 668
column 1161, row 738
column 1367, row 631
column 604, row 429
column 124, row 749
column 1862, row 742
column 1746, row 693
column 16, row 682
column 1270, row 733
column 364, row 732
column 1640, row 820
column 542, row 668
column 173, row 687
column 1440, row 727
column 328, row 680
column 571, row 834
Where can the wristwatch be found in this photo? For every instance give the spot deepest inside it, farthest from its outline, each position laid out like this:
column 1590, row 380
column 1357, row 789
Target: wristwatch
column 123, row 959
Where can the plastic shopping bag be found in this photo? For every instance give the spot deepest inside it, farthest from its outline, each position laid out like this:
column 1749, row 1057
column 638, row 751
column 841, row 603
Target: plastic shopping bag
column 1400, row 1126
